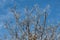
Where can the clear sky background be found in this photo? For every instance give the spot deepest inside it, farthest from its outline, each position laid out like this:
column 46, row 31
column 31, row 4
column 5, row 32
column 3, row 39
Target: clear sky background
column 54, row 11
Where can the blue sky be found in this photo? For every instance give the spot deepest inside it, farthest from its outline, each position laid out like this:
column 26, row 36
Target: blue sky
column 54, row 11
